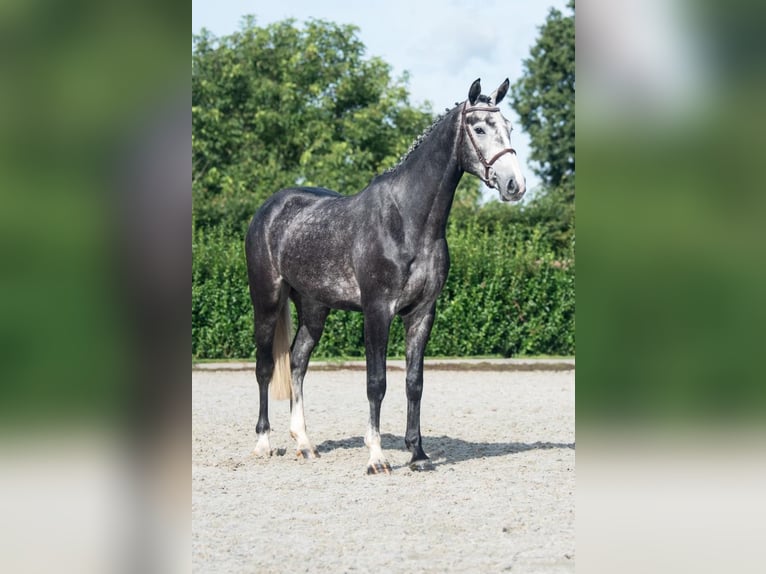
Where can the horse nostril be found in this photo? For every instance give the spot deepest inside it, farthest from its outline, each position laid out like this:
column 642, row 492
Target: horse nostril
column 512, row 185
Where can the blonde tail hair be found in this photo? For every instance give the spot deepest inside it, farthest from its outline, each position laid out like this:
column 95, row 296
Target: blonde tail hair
column 281, row 381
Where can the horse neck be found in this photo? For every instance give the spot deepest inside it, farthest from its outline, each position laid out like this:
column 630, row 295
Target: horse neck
column 425, row 182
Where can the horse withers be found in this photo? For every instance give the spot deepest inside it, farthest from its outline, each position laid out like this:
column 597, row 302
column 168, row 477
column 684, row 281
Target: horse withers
column 382, row 251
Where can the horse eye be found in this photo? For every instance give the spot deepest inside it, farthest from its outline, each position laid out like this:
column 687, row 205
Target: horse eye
column 479, row 130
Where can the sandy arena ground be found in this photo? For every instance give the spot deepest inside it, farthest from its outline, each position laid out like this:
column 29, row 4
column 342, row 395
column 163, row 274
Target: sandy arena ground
column 500, row 499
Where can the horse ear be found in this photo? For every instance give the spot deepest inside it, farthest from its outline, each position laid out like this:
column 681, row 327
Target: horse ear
column 498, row 95
column 475, row 91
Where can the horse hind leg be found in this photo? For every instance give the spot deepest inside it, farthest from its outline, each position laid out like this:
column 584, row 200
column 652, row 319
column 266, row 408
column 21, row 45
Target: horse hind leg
column 311, row 320
column 267, row 328
column 263, row 370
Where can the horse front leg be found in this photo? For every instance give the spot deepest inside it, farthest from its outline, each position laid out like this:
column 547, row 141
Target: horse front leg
column 376, row 326
column 418, row 329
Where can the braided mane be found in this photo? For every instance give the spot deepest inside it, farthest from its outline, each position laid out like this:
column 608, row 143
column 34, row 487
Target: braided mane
column 421, row 138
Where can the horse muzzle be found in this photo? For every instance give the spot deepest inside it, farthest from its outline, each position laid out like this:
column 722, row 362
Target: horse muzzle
column 512, row 189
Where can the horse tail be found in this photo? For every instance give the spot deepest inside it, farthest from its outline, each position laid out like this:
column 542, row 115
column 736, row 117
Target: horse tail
column 281, row 380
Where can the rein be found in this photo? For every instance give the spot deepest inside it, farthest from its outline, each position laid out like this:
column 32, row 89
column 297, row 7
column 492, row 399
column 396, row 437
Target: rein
column 466, row 128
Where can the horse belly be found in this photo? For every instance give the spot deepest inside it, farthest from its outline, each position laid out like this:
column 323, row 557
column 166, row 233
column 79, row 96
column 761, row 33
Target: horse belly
column 332, row 282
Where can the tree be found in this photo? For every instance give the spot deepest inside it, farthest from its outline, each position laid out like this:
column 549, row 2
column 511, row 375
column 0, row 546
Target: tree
column 544, row 100
column 279, row 105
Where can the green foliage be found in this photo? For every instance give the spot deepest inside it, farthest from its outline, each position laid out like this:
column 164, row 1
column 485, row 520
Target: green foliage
column 279, row 105
column 467, row 194
column 546, row 214
column 544, row 98
column 222, row 315
column 507, row 294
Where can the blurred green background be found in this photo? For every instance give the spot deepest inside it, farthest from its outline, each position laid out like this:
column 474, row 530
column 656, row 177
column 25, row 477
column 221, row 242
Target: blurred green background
column 671, row 213
column 81, row 80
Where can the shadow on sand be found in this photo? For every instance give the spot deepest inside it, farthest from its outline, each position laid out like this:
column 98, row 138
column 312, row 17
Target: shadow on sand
column 446, row 449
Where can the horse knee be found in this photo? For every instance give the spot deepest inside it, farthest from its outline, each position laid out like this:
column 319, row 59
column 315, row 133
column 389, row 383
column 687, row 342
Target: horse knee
column 414, row 389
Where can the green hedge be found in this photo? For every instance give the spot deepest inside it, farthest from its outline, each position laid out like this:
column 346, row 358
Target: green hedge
column 507, row 294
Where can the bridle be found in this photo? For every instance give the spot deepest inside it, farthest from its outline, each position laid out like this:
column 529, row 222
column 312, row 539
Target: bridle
column 464, row 127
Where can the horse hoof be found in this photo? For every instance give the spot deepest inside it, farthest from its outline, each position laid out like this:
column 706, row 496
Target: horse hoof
column 421, row 465
column 379, row 468
column 263, row 453
column 307, row 453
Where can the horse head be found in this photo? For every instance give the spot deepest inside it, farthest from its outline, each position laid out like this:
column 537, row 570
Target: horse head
column 485, row 143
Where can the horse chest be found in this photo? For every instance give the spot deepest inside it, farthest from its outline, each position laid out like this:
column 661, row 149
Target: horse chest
column 425, row 276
